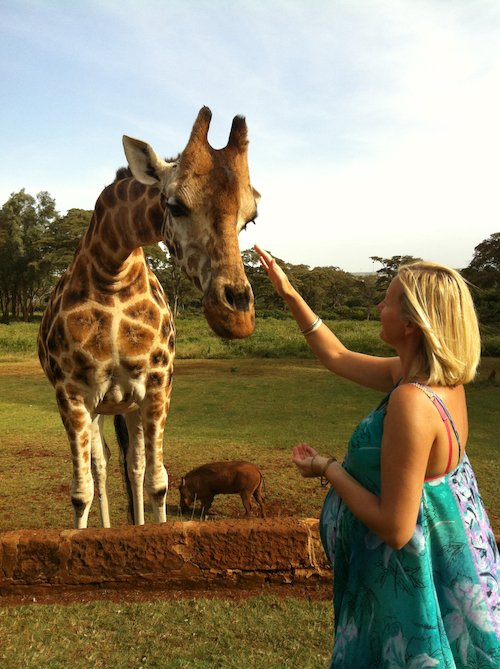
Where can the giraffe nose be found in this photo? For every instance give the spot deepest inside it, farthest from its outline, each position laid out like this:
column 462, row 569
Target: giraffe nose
column 239, row 300
column 229, row 309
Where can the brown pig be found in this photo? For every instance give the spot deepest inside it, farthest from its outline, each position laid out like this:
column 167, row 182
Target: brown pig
column 221, row 478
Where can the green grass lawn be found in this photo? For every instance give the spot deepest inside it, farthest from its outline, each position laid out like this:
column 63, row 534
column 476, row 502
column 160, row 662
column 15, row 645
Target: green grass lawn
column 254, row 409
column 259, row 633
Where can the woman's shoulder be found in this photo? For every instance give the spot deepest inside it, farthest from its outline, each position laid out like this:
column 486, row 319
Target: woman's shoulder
column 409, row 412
column 409, row 392
column 416, row 397
column 411, row 399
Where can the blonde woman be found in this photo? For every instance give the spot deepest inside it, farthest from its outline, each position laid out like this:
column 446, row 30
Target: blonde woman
column 416, row 566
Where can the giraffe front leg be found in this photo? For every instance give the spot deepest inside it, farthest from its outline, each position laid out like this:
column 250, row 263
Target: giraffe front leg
column 78, row 424
column 156, row 478
column 99, row 459
column 135, row 462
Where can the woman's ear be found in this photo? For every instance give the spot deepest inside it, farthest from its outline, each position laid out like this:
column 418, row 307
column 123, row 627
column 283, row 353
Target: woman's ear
column 412, row 328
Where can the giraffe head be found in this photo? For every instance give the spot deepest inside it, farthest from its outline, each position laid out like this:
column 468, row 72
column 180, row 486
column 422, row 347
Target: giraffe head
column 209, row 200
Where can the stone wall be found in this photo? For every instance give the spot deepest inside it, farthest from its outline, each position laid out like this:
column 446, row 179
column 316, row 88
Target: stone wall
column 237, row 554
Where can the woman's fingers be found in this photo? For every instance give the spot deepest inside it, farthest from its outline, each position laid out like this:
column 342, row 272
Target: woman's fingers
column 265, row 258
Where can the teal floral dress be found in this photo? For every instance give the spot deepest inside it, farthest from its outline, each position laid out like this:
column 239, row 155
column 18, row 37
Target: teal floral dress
column 435, row 602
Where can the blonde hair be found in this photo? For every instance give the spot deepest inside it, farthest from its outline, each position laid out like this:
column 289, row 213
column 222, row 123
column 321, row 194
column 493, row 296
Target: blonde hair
column 437, row 299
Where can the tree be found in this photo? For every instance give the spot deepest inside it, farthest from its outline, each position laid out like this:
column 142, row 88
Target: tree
column 63, row 236
column 24, row 268
column 484, row 268
column 483, row 273
column 389, row 269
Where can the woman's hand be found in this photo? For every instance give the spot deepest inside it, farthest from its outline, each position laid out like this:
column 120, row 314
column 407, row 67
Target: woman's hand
column 277, row 276
column 303, row 456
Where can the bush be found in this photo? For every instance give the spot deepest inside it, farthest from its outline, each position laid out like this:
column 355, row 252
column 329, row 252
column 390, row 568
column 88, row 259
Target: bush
column 18, row 337
column 491, row 346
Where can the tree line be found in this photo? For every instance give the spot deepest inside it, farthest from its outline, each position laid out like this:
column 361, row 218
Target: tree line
column 37, row 244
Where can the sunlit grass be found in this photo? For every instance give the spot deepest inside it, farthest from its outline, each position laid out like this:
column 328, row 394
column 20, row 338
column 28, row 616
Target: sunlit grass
column 261, row 632
column 253, row 409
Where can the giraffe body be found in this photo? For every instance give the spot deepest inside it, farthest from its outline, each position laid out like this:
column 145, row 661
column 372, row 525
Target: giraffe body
column 107, row 338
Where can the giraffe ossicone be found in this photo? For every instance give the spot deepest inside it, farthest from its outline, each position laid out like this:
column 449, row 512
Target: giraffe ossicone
column 107, row 337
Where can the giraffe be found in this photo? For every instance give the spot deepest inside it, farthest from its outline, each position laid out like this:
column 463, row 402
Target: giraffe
column 107, row 337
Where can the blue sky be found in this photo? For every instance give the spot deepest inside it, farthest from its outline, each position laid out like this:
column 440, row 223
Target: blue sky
column 374, row 124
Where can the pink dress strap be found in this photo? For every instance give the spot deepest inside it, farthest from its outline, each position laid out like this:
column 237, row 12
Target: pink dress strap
column 446, row 418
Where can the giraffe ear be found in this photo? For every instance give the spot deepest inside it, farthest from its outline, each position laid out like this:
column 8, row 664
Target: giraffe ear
column 145, row 164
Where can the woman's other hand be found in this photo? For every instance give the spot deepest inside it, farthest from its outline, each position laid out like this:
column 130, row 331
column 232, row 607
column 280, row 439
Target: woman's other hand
column 303, row 456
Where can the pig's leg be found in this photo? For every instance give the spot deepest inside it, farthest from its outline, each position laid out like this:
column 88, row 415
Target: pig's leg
column 258, row 498
column 206, row 503
column 246, row 496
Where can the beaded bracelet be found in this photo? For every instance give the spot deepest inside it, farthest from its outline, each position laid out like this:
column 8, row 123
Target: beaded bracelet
column 313, row 327
column 324, row 481
column 312, row 462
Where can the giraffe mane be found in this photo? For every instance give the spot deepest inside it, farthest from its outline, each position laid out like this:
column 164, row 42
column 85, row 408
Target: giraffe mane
column 122, row 173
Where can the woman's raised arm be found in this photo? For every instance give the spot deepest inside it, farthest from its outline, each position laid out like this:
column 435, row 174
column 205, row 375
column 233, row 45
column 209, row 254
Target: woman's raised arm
column 367, row 370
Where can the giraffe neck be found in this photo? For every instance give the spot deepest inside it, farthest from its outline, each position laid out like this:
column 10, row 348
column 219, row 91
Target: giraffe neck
column 127, row 216
column 110, row 260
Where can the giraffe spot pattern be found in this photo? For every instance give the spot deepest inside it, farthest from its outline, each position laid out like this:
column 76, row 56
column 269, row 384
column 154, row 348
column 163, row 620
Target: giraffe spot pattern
column 83, row 368
column 74, row 392
column 134, row 369
column 136, row 190
column 103, row 299
column 78, row 420
column 156, row 380
column 99, row 210
column 99, row 345
column 121, row 189
column 55, row 372
column 108, row 197
column 133, row 339
column 91, row 328
column 78, row 504
column 159, row 358
column 62, row 400
column 141, row 223
column 159, row 496
column 102, row 279
column 77, row 291
column 166, row 328
column 144, row 311
column 57, row 341
column 157, row 293
column 136, row 282
column 103, row 252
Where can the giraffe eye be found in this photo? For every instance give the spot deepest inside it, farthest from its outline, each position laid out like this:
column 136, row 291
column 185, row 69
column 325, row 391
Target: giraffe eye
column 177, row 209
column 251, row 220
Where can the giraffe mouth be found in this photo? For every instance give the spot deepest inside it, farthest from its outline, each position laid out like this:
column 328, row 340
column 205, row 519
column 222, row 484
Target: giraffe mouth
column 230, row 312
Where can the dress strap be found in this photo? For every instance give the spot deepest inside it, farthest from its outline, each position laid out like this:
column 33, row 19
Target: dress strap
column 383, row 404
column 447, row 420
